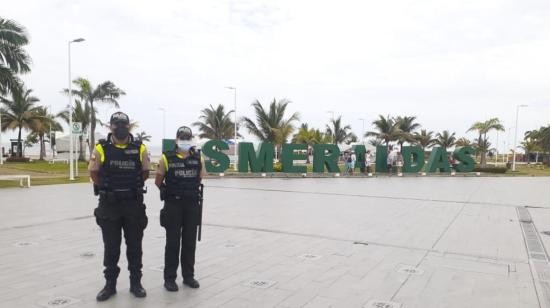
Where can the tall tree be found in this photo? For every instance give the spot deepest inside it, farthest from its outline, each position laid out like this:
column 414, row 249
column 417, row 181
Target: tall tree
column 407, row 126
column 271, row 125
column 483, row 128
column 43, row 123
column 13, row 58
column 308, row 136
column 463, row 142
column 215, row 123
column 338, row 132
column 81, row 113
column 105, row 92
column 445, row 139
column 425, row 138
column 18, row 113
column 386, row 129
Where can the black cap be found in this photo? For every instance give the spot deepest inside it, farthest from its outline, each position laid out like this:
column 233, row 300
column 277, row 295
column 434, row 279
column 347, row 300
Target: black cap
column 184, row 133
column 119, row 117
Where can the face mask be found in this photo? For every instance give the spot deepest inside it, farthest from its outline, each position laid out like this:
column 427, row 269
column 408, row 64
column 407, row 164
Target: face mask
column 184, row 145
column 121, row 132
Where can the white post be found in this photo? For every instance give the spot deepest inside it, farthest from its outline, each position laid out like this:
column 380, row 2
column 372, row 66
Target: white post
column 496, row 156
column 236, row 141
column 363, row 131
column 76, row 137
column 516, row 137
column 71, row 167
column 235, row 111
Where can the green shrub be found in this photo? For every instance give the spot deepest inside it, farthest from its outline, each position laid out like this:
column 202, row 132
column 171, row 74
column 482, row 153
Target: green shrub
column 491, row 169
column 277, row 167
column 18, row 159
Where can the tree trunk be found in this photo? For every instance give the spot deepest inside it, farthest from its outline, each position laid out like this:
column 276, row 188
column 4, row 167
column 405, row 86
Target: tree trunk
column 92, row 127
column 81, row 149
column 42, row 146
column 19, row 144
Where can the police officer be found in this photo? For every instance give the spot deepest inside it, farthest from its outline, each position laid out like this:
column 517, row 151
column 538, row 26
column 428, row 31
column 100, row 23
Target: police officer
column 119, row 166
column 179, row 177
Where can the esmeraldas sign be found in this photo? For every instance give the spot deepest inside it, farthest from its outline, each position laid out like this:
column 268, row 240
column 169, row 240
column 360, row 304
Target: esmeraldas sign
column 325, row 158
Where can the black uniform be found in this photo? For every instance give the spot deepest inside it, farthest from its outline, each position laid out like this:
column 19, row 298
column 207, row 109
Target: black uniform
column 121, row 207
column 180, row 215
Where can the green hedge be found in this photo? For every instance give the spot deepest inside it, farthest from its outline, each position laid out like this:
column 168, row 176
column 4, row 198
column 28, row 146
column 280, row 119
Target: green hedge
column 491, row 169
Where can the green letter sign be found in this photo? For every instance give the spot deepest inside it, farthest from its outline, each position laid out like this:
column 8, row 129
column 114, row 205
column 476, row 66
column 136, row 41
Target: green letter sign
column 261, row 162
column 320, row 159
column 438, row 161
column 413, row 159
column 288, row 156
column 212, row 149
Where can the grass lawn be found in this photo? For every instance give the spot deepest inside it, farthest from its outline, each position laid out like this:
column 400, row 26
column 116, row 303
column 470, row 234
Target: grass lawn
column 43, row 173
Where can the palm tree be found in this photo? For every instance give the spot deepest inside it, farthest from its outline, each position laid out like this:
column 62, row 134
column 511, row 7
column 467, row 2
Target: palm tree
column 339, row 132
column 386, row 129
column 309, row 136
column 463, row 142
column 215, row 123
column 424, row 138
column 143, row 137
column 81, row 113
column 483, row 128
column 18, row 113
column 13, row 58
column 445, row 139
column 43, row 123
column 271, row 126
column 105, row 92
column 407, row 126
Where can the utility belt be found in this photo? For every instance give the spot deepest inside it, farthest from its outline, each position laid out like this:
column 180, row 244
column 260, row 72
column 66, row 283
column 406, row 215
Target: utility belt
column 120, row 195
column 182, row 195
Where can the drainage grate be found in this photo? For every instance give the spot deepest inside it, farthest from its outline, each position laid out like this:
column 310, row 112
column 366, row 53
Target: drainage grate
column 409, row 269
column 24, row 244
column 87, row 254
column 158, row 268
column 261, row 284
column 60, row 301
column 382, row 304
column 309, row 256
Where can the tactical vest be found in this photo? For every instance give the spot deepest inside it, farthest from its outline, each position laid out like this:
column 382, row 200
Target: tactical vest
column 183, row 175
column 122, row 168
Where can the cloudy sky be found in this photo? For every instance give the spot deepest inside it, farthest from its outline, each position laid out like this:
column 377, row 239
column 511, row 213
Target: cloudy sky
column 450, row 63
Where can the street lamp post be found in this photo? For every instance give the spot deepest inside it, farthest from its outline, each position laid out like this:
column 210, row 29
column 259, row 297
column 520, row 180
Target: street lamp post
column 163, row 122
column 332, row 118
column 516, row 137
column 362, row 131
column 71, row 166
column 235, row 110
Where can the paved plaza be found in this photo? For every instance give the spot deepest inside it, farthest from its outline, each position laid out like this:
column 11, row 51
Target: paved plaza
column 340, row 242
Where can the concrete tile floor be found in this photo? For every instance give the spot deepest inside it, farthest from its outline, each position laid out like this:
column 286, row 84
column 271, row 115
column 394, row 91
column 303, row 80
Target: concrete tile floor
column 345, row 242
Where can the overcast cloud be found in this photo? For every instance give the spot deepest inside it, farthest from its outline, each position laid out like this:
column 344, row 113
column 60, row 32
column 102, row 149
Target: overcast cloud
column 450, row 63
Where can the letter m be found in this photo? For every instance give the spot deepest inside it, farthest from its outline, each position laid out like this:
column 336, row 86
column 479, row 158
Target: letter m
column 260, row 161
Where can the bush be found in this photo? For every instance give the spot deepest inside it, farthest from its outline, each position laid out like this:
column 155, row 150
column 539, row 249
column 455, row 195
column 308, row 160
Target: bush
column 491, row 169
column 18, row 159
column 277, row 167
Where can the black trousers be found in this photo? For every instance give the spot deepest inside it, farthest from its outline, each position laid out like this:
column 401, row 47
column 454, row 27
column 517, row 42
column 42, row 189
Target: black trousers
column 180, row 218
column 115, row 216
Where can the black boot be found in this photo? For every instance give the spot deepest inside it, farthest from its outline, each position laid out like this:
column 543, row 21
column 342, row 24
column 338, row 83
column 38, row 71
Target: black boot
column 171, row 286
column 136, row 288
column 108, row 290
column 191, row 282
